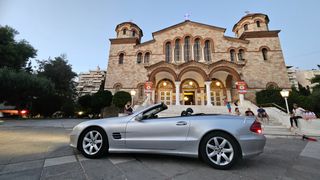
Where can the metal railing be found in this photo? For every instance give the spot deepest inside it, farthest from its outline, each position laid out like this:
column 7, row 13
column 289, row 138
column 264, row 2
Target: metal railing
column 274, row 105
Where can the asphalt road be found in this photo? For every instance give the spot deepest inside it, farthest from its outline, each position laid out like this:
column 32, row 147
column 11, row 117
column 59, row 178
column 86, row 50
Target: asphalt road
column 39, row 150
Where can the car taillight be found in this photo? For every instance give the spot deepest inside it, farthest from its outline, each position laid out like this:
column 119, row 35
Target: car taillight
column 256, row 127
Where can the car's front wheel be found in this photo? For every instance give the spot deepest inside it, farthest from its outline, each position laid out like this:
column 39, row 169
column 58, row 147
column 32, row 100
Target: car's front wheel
column 93, row 142
column 219, row 150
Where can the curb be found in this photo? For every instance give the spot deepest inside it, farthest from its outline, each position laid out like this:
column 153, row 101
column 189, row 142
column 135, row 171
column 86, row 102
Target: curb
column 288, row 136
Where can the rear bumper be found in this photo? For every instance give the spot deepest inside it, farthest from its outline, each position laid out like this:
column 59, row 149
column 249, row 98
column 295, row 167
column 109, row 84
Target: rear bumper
column 252, row 145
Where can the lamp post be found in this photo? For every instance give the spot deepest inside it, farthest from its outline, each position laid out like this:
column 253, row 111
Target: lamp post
column 285, row 95
column 133, row 93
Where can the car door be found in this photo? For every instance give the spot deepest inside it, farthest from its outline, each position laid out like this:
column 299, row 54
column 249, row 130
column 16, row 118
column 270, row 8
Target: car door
column 157, row 133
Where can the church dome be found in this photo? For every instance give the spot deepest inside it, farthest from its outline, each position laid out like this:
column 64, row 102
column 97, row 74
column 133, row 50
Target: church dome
column 251, row 22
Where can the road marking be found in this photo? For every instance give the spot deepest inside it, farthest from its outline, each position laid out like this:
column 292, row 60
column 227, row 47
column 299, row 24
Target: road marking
column 311, row 150
column 118, row 160
column 59, row 160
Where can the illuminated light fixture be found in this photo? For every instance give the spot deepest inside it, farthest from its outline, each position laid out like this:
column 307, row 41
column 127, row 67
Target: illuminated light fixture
column 80, row 113
column 133, row 92
column 190, row 83
column 164, row 84
column 218, row 83
column 186, row 98
column 24, row 112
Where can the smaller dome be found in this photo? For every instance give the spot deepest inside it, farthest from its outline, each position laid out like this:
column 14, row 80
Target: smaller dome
column 128, row 30
column 251, row 16
column 251, row 23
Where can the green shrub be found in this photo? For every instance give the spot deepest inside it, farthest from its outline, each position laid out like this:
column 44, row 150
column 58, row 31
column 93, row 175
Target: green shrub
column 308, row 102
column 270, row 96
column 120, row 98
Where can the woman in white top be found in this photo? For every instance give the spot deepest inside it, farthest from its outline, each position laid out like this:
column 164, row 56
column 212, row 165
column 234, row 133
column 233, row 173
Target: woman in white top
column 297, row 113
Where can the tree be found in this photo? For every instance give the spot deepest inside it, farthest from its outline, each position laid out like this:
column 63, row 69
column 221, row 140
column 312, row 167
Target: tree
column 316, row 80
column 303, row 91
column 120, row 98
column 60, row 73
column 100, row 100
column 94, row 103
column 270, row 96
column 20, row 88
column 14, row 54
column 85, row 103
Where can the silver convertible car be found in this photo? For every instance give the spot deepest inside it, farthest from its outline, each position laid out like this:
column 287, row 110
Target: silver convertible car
column 220, row 140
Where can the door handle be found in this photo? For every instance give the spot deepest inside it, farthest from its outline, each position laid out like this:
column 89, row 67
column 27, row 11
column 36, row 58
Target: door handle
column 181, row 123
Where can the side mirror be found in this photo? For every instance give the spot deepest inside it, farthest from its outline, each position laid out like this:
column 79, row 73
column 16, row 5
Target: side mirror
column 138, row 117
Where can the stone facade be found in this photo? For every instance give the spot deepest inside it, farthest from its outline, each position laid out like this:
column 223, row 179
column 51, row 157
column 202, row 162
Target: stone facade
column 192, row 51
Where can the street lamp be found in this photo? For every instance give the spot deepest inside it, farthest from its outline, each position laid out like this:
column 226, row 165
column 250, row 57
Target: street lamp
column 133, row 93
column 285, row 95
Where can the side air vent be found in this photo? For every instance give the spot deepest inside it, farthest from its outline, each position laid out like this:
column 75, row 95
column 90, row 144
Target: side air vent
column 116, row 135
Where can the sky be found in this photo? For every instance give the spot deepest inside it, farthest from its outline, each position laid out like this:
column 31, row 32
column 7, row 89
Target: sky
column 81, row 29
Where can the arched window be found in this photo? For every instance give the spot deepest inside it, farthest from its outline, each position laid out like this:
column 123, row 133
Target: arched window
column 139, row 58
column 258, row 23
column 177, row 50
column 207, row 50
column 272, row 85
column 245, row 27
column 117, row 87
column 140, row 91
column 124, row 31
column 187, row 52
column 265, row 54
column 121, row 58
column 147, row 57
column 196, row 49
column 232, row 55
column 133, row 33
column 241, row 55
column 168, row 52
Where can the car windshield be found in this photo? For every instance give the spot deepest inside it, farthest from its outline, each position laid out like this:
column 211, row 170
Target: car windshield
column 151, row 113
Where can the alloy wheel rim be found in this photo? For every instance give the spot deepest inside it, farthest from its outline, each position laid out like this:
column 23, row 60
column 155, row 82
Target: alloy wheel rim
column 92, row 142
column 220, row 151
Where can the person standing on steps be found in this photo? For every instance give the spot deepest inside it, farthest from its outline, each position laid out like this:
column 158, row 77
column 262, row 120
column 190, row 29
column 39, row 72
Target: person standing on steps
column 297, row 113
column 229, row 107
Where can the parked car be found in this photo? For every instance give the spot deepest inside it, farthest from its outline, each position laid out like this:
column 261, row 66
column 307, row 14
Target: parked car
column 220, row 140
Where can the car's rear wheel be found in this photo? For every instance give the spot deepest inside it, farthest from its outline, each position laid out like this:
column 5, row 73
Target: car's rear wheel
column 93, row 142
column 219, row 150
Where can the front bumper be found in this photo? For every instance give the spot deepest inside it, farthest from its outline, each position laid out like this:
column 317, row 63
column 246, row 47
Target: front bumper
column 73, row 140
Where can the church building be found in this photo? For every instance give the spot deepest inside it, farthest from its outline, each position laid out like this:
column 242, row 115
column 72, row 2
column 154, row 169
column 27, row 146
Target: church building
column 191, row 63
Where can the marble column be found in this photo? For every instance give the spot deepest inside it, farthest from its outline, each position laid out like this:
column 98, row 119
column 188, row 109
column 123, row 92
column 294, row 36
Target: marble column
column 208, row 84
column 177, row 84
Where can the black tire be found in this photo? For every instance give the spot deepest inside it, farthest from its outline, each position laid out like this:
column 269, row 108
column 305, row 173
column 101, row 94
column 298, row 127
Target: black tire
column 229, row 150
column 96, row 153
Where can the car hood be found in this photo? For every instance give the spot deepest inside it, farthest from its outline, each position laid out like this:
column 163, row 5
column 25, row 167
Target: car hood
column 102, row 122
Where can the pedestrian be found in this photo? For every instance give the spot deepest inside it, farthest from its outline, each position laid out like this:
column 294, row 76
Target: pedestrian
column 262, row 114
column 225, row 101
column 127, row 108
column 229, row 107
column 297, row 113
column 237, row 111
column 249, row 112
column 236, row 103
